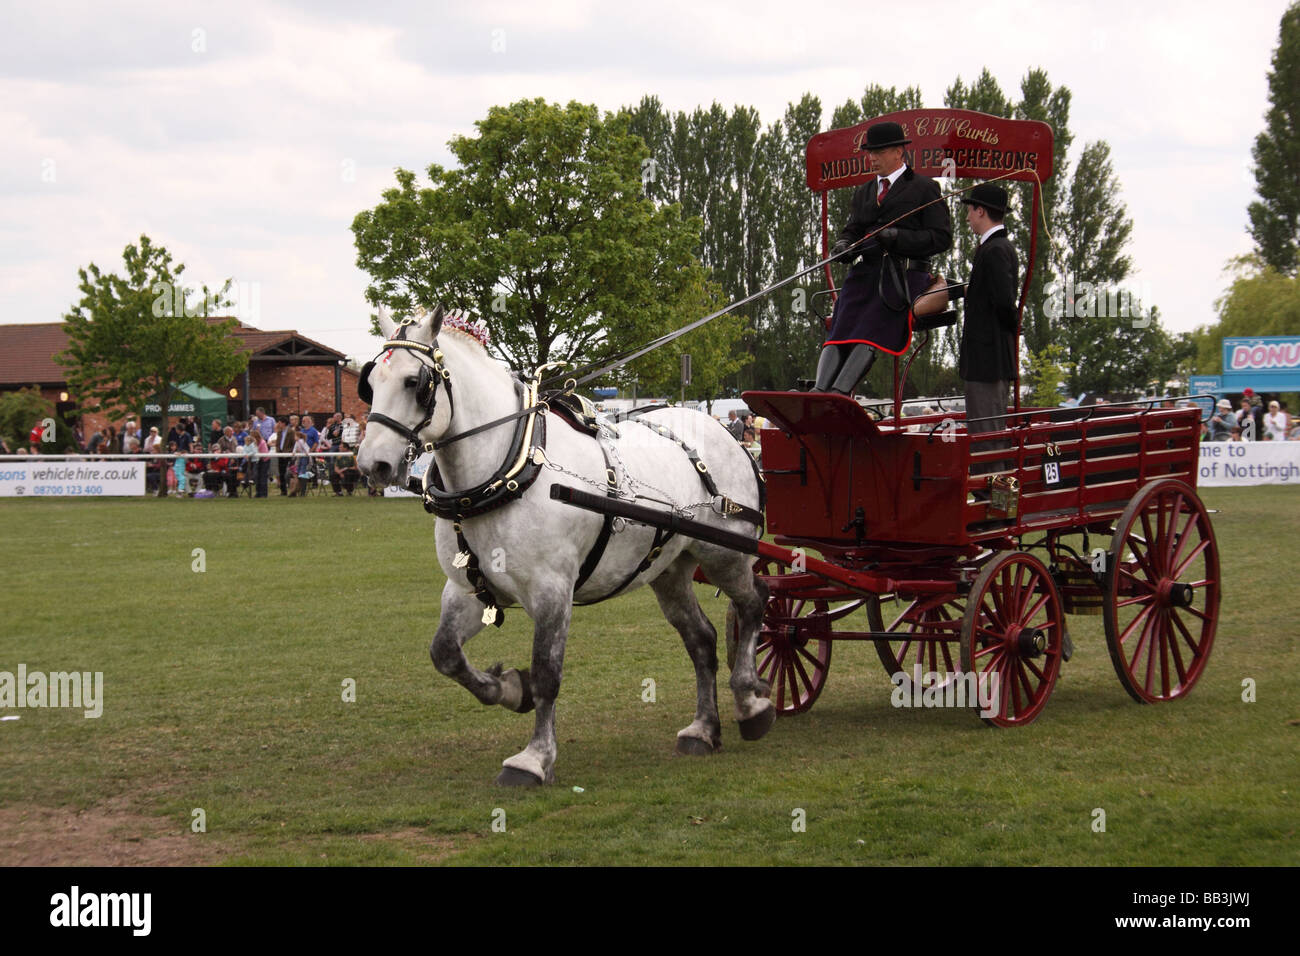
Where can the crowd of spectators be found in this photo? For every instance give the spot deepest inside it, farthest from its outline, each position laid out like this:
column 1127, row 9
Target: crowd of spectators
column 233, row 458
column 744, row 429
column 1252, row 420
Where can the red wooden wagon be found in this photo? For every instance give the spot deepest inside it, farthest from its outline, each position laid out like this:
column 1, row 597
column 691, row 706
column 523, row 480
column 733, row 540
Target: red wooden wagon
column 960, row 559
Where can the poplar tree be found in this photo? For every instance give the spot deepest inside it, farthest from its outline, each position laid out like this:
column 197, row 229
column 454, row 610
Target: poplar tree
column 1275, row 216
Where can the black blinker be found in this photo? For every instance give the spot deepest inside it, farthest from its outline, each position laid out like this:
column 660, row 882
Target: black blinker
column 364, row 391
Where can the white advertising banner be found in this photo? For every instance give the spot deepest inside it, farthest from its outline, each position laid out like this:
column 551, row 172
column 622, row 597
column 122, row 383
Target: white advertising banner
column 70, row 478
column 416, row 472
column 1250, row 463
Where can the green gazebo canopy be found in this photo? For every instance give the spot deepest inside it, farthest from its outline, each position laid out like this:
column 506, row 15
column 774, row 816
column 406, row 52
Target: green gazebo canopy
column 190, row 398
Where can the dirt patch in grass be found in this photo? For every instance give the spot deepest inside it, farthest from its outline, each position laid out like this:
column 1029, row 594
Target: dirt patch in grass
column 426, row 847
column 105, row 835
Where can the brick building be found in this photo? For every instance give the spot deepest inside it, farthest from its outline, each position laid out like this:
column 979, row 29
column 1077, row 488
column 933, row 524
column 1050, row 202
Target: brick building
column 287, row 374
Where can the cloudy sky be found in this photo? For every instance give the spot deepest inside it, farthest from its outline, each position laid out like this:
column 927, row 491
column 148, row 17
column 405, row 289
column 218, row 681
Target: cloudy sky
column 245, row 136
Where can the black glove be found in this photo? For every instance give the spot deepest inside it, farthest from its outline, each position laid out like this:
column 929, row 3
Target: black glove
column 840, row 251
column 888, row 238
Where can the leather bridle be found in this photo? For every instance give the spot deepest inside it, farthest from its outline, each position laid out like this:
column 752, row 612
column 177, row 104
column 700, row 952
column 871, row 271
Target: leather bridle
column 432, row 374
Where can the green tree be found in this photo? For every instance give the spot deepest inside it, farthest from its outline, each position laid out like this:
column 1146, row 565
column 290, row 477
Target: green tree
column 1039, row 100
column 715, row 355
column 1131, row 354
column 1260, row 301
column 22, row 409
column 1275, row 216
column 788, row 337
column 1091, row 234
column 140, row 334
column 544, row 229
column 1046, row 374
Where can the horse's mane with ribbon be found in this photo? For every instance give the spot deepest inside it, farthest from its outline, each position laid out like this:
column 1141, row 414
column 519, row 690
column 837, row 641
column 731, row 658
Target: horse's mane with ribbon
column 460, row 322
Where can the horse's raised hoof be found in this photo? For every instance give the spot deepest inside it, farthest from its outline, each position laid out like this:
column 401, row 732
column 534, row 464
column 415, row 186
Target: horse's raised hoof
column 695, row 747
column 511, row 777
column 516, row 691
column 753, row 728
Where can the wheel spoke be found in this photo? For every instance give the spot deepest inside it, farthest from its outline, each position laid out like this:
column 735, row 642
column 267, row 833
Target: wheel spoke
column 1154, row 621
column 1016, row 677
column 1200, row 549
column 1128, row 631
column 1142, row 557
column 1032, row 612
column 1018, row 591
column 1167, row 545
column 1193, row 517
column 997, row 613
column 779, row 679
column 1164, row 656
column 1002, row 692
column 1141, row 642
column 1196, row 650
column 905, row 616
column 1033, row 667
column 804, row 682
column 1135, row 579
column 1173, row 647
column 812, row 658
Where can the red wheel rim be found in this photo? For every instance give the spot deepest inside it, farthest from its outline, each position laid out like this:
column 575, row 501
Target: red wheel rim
column 1163, row 593
column 1012, row 598
column 929, row 629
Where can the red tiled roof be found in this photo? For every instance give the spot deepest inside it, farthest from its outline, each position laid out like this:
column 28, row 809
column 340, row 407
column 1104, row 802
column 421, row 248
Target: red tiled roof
column 27, row 354
column 27, row 350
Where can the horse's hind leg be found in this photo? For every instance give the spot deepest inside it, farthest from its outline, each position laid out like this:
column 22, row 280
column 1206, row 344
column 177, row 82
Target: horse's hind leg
column 677, row 600
column 734, row 573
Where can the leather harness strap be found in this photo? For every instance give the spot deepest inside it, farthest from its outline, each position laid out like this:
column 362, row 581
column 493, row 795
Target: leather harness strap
column 727, row 507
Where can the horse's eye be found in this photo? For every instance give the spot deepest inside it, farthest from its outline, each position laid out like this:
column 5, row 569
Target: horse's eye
column 411, row 381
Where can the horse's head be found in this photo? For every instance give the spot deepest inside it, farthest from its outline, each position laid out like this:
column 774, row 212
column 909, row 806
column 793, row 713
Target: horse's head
column 407, row 389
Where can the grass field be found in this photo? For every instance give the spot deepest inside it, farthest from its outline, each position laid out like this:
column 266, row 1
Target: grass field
column 223, row 692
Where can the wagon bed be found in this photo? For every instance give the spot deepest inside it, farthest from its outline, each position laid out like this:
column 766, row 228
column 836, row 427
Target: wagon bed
column 838, row 478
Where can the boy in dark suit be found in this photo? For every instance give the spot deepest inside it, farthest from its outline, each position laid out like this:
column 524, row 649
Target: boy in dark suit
column 871, row 313
column 987, row 360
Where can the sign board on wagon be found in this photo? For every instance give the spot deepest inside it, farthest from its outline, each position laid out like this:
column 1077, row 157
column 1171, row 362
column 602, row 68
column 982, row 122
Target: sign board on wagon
column 944, row 142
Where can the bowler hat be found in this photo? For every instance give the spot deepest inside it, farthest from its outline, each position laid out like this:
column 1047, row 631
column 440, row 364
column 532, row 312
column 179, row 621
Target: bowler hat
column 884, row 134
column 987, row 195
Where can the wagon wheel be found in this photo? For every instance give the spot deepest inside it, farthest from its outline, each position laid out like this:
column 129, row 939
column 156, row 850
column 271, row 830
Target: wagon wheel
column 929, row 629
column 793, row 652
column 1011, row 637
column 1162, row 592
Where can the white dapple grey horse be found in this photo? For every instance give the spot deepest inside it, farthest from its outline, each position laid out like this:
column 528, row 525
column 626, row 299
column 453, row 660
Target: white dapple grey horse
column 434, row 383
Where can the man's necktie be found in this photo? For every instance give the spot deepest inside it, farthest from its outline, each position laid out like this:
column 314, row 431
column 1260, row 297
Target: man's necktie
column 884, row 188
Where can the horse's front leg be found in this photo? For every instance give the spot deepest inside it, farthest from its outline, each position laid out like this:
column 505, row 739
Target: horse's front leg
column 535, row 764
column 461, row 619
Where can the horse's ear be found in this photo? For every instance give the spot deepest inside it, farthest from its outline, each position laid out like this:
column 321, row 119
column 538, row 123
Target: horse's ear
column 435, row 322
column 386, row 323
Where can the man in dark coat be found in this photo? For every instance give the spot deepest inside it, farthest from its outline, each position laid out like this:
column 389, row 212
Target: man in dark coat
column 873, row 311
column 987, row 360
